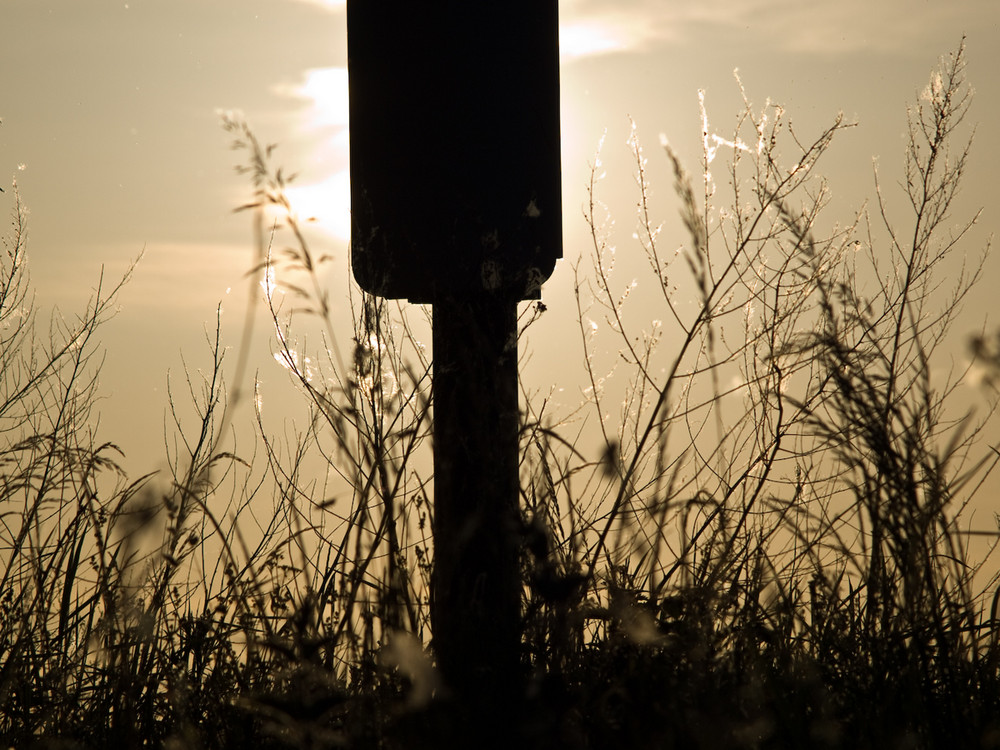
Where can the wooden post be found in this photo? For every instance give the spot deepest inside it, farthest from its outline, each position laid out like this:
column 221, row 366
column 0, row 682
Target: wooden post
column 475, row 609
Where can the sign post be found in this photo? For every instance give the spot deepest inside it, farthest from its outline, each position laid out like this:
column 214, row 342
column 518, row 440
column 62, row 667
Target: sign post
column 476, row 597
column 456, row 202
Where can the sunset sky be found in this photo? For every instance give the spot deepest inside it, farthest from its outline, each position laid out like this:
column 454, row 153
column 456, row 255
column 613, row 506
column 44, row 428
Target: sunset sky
column 110, row 127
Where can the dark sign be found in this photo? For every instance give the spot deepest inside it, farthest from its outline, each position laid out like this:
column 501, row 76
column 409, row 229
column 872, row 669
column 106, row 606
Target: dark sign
column 455, row 164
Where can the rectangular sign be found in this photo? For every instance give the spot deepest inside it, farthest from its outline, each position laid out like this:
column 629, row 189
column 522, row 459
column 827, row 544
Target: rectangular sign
column 455, row 147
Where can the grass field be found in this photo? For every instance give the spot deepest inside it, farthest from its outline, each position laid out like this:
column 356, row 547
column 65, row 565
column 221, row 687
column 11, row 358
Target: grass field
column 769, row 551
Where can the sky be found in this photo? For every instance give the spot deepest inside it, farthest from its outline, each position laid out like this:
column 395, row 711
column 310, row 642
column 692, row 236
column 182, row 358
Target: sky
column 110, row 126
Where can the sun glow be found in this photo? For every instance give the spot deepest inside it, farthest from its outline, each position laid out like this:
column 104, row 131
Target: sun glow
column 325, row 91
column 323, row 197
column 585, row 39
column 326, row 204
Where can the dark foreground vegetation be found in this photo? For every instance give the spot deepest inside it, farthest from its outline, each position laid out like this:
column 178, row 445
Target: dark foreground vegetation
column 768, row 551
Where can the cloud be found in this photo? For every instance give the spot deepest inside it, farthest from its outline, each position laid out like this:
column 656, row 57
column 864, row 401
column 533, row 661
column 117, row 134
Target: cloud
column 334, row 6
column 326, row 198
column 598, row 27
column 591, row 28
column 325, row 92
column 327, row 203
column 613, row 30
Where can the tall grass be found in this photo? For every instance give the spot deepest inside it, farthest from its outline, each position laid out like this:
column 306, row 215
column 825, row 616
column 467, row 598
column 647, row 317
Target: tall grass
column 768, row 550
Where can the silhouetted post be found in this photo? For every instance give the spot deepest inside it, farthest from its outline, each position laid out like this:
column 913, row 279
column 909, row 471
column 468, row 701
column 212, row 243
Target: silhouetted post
column 455, row 201
column 477, row 592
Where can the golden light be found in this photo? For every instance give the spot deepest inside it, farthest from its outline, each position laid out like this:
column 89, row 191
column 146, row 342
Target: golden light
column 323, row 193
column 588, row 38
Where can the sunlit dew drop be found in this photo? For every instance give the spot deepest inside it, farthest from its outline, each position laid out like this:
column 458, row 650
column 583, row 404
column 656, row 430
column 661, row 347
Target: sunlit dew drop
column 268, row 283
column 287, row 358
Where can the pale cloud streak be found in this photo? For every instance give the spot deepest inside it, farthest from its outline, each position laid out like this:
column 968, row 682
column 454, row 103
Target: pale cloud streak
column 325, row 92
column 334, row 6
column 326, row 115
column 597, row 27
column 595, row 31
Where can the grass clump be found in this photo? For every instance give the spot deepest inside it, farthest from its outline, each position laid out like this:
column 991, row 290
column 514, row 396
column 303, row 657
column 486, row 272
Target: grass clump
column 768, row 551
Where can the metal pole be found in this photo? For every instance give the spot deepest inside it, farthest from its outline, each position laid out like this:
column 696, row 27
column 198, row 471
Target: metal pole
column 476, row 596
